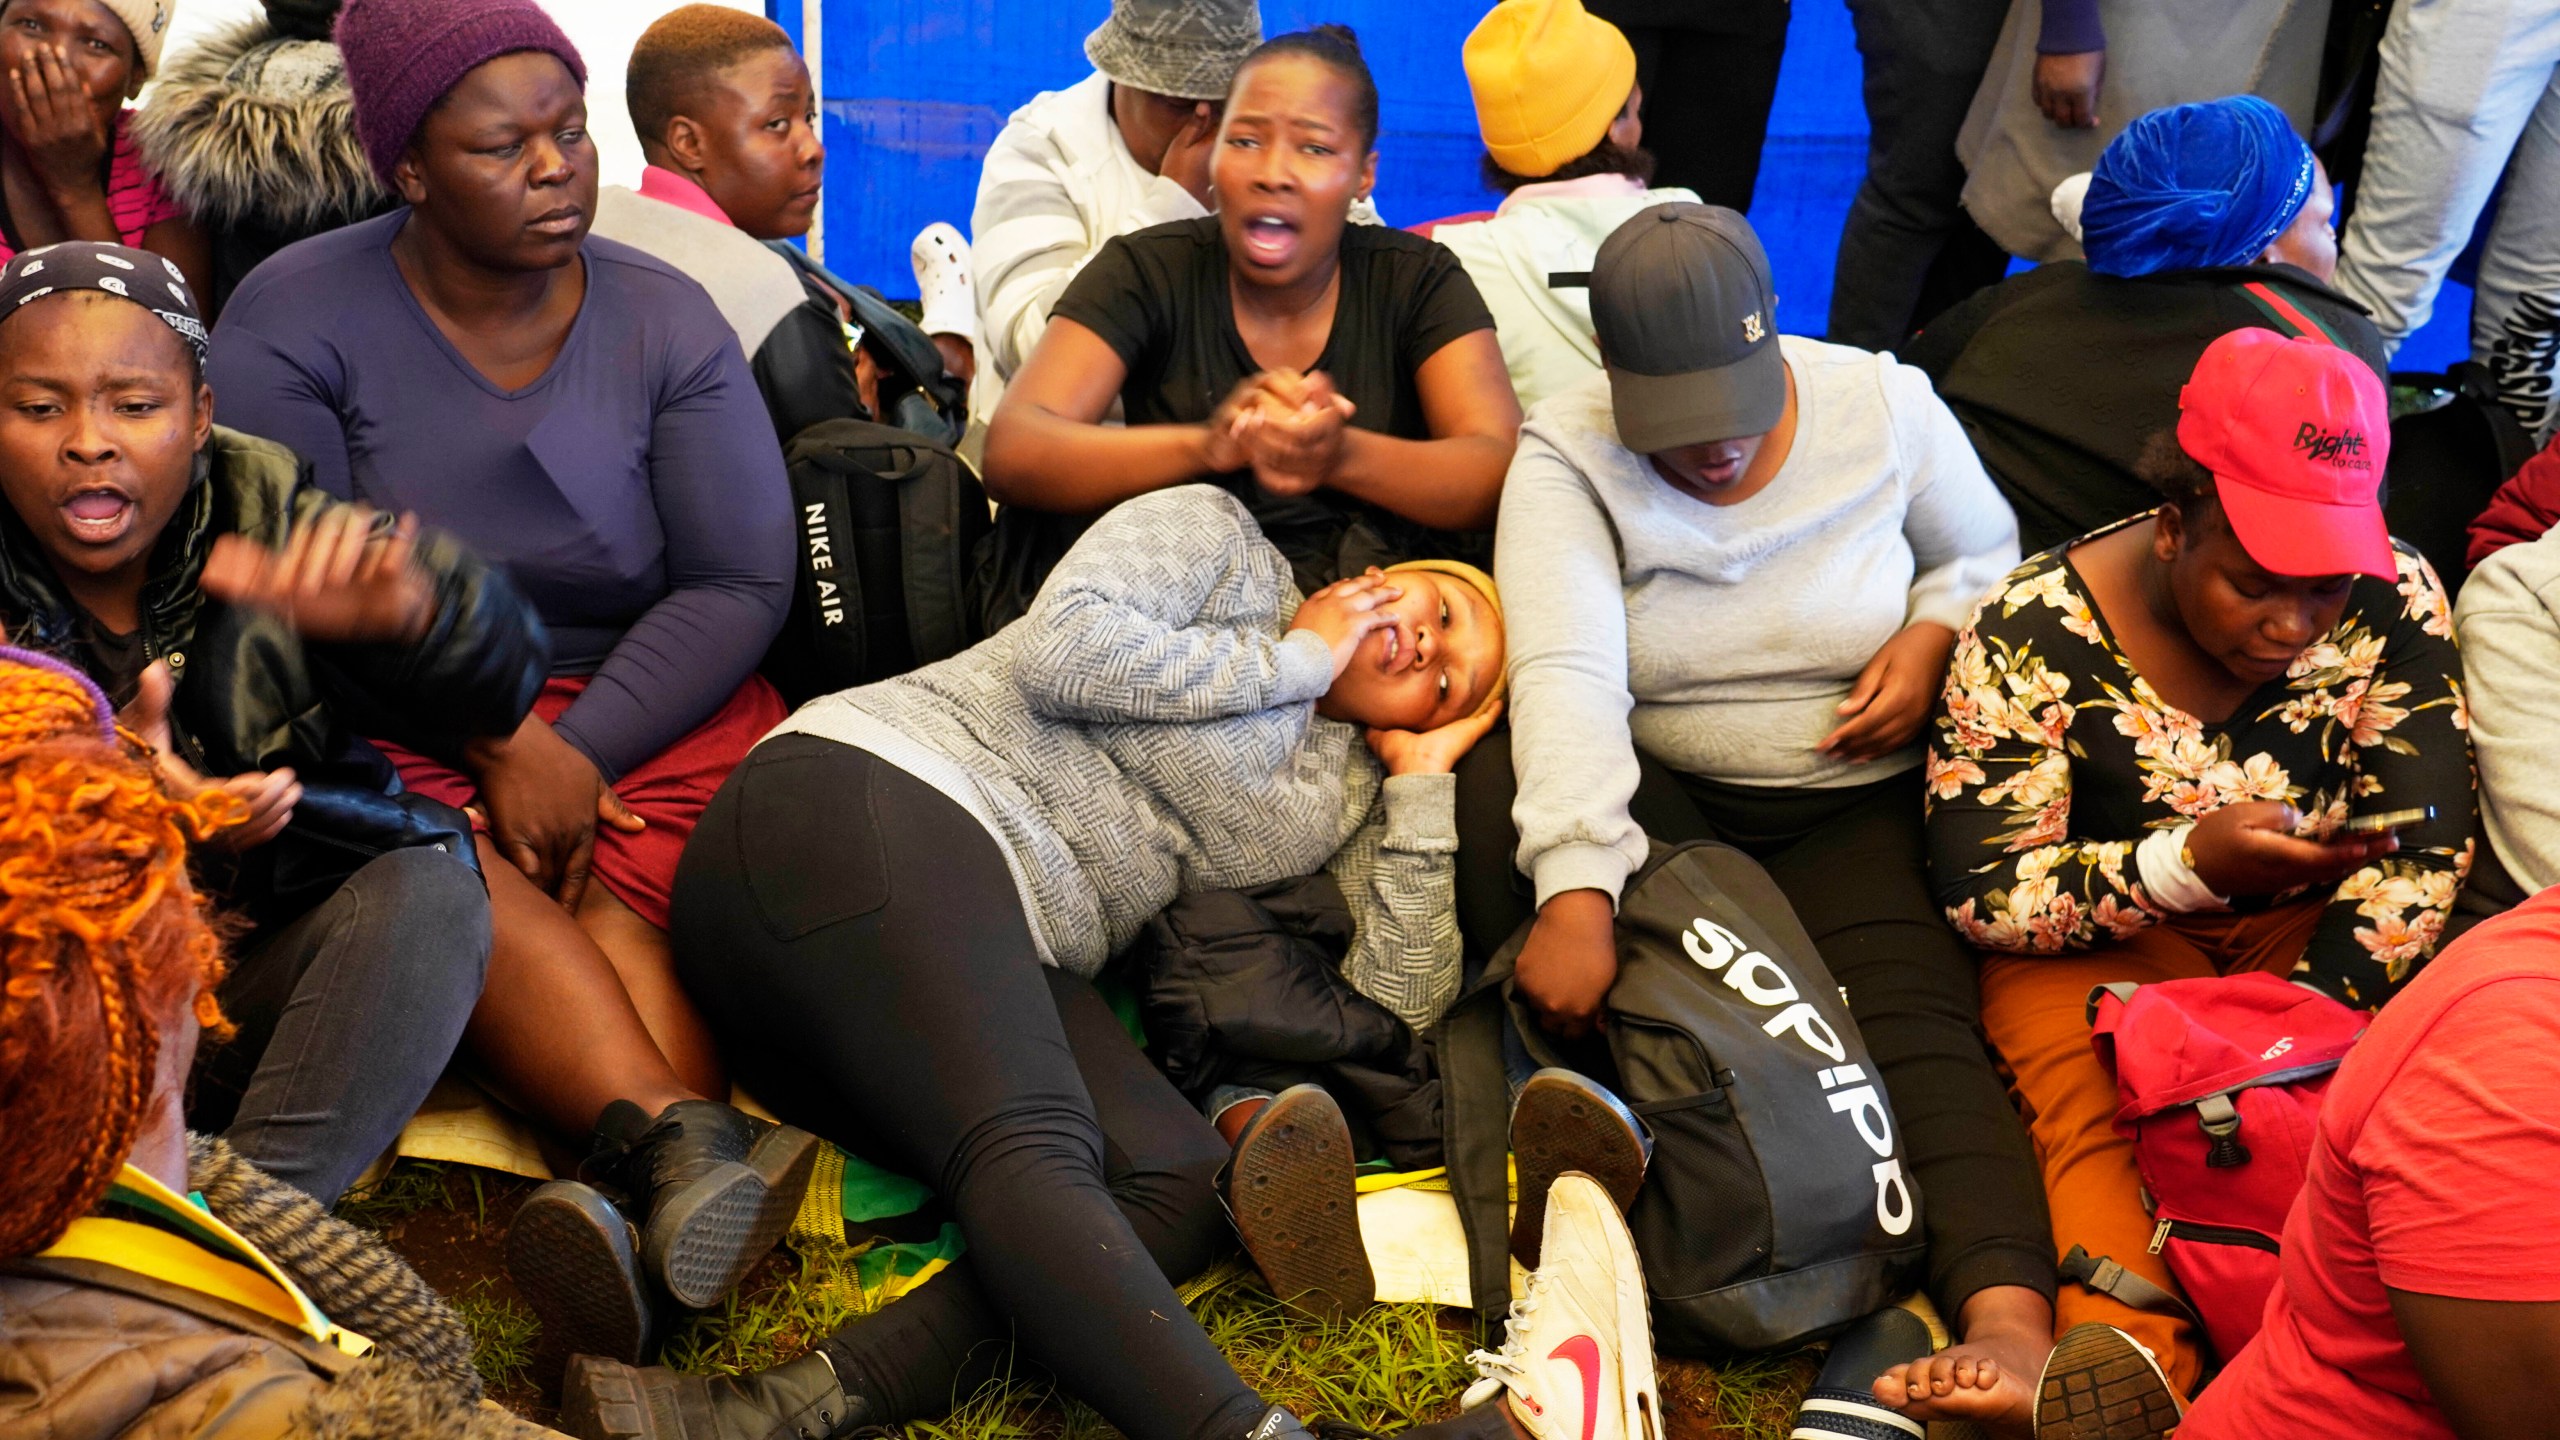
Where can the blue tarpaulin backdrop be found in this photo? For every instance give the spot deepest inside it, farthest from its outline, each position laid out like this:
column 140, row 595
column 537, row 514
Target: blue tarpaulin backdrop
column 917, row 89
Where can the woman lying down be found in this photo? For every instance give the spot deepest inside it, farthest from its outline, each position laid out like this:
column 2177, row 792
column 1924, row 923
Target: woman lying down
column 890, row 912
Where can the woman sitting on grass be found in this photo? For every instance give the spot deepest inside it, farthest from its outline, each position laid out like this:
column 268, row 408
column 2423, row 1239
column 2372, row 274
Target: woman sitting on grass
column 1344, row 380
column 2149, row 747
column 580, row 414
column 891, row 911
column 1737, row 562
column 128, row 1304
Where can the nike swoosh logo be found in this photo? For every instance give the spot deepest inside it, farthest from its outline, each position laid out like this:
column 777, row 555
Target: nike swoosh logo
column 1584, row 1352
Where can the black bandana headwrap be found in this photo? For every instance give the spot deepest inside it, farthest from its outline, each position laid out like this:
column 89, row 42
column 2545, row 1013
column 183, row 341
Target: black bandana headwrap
column 148, row 280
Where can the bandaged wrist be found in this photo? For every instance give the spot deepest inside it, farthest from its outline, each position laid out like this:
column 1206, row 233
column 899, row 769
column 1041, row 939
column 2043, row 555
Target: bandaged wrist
column 2171, row 877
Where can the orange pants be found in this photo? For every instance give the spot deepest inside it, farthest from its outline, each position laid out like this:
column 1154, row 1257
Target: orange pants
column 2035, row 1013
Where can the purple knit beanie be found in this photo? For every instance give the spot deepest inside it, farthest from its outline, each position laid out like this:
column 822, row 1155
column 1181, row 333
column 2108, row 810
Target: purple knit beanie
column 402, row 56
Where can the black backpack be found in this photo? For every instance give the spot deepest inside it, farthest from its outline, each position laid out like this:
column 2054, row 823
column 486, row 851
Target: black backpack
column 1778, row 1208
column 2449, row 454
column 886, row 521
column 916, row 393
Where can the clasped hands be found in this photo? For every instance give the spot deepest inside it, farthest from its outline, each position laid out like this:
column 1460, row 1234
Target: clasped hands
column 1286, row 427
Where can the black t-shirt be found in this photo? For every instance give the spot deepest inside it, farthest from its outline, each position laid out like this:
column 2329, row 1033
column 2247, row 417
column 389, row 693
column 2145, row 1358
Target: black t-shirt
column 1159, row 299
column 115, row 661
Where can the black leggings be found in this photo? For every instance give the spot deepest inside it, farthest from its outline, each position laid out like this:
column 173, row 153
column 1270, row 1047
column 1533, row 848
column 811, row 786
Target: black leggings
column 855, row 941
column 1852, row 863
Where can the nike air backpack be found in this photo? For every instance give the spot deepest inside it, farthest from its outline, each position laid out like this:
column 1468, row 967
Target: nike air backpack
column 887, row 522
column 1779, row 1207
column 2219, row 1082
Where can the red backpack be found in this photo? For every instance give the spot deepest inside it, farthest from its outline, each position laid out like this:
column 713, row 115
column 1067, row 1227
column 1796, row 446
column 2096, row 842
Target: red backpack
column 2219, row 1081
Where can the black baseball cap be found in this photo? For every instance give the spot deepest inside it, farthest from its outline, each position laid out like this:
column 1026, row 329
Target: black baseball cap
column 1687, row 322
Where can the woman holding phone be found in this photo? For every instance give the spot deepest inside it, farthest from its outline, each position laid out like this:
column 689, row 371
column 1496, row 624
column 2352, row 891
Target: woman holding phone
column 2155, row 749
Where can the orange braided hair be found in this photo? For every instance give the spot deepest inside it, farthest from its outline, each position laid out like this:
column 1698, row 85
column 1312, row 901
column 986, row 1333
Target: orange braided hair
column 101, row 937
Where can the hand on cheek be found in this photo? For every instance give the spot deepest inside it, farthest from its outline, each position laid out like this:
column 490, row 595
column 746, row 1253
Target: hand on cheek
column 1346, row 613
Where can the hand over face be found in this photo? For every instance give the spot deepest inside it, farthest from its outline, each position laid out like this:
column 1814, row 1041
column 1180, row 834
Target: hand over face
column 1432, row 752
column 56, row 121
column 1347, row 612
column 1895, row 694
column 345, row 578
column 270, row 795
column 542, row 800
column 1186, row 160
column 2251, row 849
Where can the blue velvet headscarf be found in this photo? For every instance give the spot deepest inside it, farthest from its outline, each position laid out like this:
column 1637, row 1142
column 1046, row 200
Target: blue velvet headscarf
column 2193, row 186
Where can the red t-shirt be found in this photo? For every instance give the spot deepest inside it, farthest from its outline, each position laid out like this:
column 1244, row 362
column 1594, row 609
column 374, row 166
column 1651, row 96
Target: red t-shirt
column 2432, row 1172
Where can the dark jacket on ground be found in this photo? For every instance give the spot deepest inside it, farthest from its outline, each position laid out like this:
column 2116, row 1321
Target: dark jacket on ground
column 91, row 1349
column 2061, row 375
column 251, row 695
column 1245, row 988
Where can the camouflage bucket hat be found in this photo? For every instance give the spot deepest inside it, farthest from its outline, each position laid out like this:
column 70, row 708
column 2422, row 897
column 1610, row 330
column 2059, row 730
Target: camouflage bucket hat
column 1188, row 49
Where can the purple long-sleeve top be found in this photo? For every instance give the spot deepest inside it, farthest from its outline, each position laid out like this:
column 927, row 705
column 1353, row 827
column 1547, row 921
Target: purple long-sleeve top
column 2071, row 27
column 635, row 491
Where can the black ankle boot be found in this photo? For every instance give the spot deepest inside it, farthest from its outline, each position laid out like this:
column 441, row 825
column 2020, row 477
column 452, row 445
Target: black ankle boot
column 604, row 1399
column 712, row 1187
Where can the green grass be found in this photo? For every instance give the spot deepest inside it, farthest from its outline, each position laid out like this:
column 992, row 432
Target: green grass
column 503, row 1334
column 405, row 1189
column 772, row 1318
column 1387, row 1369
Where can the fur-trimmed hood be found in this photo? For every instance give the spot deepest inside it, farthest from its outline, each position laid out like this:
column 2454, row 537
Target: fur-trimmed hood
column 419, row 1380
column 249, row 125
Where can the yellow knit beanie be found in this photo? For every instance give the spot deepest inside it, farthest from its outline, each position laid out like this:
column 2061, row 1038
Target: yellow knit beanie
column 1548, row 78
column 1482, row 584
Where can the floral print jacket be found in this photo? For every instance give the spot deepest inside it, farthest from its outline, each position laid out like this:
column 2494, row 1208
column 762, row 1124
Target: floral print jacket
column 2052, row 760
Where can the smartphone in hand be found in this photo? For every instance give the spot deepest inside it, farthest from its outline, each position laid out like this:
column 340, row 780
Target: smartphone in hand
column 2383, row 822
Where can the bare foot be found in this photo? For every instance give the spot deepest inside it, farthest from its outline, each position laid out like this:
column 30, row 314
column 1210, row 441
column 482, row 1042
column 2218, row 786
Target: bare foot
column 1989, row 1379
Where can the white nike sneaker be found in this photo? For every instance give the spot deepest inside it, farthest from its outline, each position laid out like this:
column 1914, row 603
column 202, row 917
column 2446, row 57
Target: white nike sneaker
column 1577, row 1358
column 943, row 284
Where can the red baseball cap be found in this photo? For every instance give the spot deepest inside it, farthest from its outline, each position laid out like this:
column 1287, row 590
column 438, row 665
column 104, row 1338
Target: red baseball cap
column 2295, row 432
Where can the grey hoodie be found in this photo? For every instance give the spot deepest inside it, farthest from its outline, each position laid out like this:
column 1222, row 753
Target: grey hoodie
column 1150, row 728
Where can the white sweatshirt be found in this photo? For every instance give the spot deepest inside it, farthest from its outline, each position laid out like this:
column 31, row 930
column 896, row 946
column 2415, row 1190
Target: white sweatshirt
column 2508, row 621
column 1543, row 231
column 1720, row 639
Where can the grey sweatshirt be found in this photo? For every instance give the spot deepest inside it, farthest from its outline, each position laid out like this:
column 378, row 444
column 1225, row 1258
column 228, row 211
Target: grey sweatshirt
column 1149, row 729
column 1720, row 639
column 2508, row 621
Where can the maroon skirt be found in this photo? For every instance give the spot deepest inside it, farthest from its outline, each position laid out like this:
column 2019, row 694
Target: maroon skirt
column 668, row 789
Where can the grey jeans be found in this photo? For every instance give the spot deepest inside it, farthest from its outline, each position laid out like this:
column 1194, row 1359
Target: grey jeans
column 346, row 1017
column 2470, row 90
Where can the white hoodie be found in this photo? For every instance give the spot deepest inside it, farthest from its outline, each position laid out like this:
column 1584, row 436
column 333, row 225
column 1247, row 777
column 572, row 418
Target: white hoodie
column 1541, row 231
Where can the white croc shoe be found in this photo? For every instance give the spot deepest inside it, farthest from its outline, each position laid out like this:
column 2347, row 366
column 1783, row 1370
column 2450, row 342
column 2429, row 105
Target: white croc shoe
column 948, row 296
column 1577, row 1358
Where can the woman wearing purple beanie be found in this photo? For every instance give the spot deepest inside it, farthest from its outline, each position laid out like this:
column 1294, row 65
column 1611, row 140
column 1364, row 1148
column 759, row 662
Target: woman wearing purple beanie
column 579, row 413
